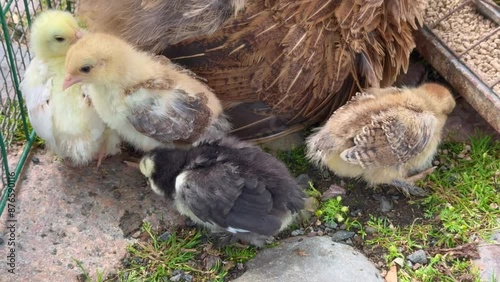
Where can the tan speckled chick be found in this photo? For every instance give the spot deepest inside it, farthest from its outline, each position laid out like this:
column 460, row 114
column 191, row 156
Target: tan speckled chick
column 382, row 135
column 148, row 100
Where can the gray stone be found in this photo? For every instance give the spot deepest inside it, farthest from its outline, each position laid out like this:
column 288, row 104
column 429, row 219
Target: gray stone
column 489, row 252
column 370, row 230
column 385, row 204
column 311, row 259
column 342, row 235
column 75, row 209
column 332, row 225
column 418, row 257
column 332, row 192
column 297, row 232
column 165, row 236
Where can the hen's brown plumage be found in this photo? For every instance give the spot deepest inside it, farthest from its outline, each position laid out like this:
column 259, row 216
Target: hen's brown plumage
column 303, row 59
column 278, row 65
column 155, row 24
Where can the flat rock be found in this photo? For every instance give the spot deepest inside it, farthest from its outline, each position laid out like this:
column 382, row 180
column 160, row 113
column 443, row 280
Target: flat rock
column 310, row 259
column 65, row 214
column 489, row 262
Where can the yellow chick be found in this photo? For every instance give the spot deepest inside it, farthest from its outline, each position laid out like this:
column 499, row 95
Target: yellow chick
column 382, row 135
column 66, row 120
column 150, row 101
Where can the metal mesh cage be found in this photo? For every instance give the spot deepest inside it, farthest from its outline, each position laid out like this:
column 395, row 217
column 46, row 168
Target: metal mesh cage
column 16, row 135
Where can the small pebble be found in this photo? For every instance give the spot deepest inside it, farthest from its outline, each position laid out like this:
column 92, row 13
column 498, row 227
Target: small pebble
column 117, row 195
column 332, row 225
column 416, row 266
column 70, row 266
column 240, row 266
column 297, row 232
column 35, row 160
column 164, row 237
column 357, row 212
column 312, row 234
column 399, row 261
column 176, row 278
column 385, row 204
column 332, row 192
column 342, row 235
column 320, row 233
column 370, row 230
column 418, row 257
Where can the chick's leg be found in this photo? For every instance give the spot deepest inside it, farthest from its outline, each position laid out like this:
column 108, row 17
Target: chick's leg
column 101, row 155
column 407, row 186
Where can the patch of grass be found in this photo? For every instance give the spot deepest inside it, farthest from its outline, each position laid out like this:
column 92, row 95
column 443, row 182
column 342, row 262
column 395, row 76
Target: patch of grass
column 332, row 211
column 312, row 192
column 13, row 122
column 185, row 250
column 295, row 160
column 464, row 205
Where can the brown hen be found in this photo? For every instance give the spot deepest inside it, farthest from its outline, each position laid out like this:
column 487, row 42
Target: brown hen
column 281, row 65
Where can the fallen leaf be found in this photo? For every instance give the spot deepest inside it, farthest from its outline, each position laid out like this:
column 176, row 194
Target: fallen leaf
column 392, row 275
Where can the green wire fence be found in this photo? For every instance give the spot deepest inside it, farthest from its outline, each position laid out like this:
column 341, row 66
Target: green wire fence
column 16, row 135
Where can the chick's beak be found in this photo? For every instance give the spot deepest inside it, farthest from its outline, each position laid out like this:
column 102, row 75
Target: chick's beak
column 70, row 80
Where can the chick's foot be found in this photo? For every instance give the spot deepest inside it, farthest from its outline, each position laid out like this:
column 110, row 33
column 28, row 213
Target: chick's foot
column 409, row 189
column 100, row 155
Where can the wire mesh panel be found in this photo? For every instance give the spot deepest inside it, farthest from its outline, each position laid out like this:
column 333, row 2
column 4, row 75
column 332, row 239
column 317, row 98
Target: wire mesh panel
column 461, row 40
column 16, row 135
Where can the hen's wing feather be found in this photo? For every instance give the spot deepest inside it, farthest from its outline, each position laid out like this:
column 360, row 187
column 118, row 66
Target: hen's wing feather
column 392, row 138
column 301, row 57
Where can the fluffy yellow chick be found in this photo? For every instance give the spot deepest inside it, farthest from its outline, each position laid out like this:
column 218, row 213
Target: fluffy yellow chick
column 150, row 101
column 382, row 135
column 66, row 120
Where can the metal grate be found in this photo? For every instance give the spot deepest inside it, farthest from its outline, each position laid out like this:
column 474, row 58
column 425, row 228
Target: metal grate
column 456, row 62
column 16, row 135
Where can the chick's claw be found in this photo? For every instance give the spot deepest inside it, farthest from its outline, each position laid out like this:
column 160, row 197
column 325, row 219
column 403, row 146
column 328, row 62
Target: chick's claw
column 408, row 189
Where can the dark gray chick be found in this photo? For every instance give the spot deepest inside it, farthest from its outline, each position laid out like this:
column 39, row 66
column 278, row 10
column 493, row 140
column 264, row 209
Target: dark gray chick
column 228, row 186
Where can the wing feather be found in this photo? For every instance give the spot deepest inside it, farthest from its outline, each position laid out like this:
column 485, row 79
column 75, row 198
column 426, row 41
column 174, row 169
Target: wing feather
column 182, row 117
column 391, row 139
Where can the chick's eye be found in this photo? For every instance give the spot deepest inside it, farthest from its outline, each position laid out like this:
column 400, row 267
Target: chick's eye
column 59, row 38
column 85, row 69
